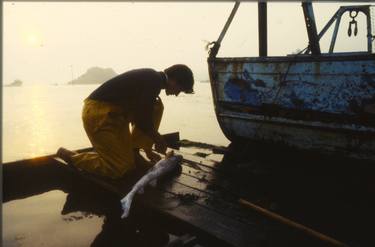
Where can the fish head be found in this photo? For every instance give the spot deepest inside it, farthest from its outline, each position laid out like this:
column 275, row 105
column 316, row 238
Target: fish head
column 169, row 154
column 176, row 158
column 176, row 163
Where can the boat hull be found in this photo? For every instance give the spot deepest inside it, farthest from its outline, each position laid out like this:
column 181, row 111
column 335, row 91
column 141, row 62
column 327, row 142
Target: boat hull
column 324, row 103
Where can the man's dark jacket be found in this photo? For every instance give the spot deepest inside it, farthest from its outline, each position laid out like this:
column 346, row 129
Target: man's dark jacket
column 135, row 91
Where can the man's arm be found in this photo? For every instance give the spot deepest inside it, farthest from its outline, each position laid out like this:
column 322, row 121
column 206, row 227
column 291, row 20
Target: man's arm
column 160, row 144
column 144, row 117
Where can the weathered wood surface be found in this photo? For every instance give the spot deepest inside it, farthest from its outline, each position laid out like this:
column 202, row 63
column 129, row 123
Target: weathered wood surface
column 197, row 199
column 202, row 198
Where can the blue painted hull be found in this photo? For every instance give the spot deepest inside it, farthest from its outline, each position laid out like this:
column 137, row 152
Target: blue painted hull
column 325, row 103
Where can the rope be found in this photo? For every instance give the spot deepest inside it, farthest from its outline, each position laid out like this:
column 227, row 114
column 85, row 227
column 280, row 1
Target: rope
column 216, row 44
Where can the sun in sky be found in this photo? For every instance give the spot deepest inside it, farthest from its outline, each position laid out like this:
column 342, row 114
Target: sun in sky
column 34, row 39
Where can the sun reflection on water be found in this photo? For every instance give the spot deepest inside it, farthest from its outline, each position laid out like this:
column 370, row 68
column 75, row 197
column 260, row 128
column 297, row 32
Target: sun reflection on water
column 39, row 119
column 40, row 129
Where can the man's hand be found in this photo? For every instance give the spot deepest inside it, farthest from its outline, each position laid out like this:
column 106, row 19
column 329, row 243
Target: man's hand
column 160, row 145
column 152, row 156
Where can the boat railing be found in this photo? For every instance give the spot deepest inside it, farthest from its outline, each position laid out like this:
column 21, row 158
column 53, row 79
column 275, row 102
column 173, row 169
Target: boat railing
column 367, row 10
column 314, row 37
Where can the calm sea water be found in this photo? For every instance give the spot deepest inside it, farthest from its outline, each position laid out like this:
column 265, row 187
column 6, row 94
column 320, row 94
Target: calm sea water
column 37, row 120
column 38, row 221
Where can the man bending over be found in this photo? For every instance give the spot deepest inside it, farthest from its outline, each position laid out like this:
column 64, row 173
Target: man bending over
column 129, row 98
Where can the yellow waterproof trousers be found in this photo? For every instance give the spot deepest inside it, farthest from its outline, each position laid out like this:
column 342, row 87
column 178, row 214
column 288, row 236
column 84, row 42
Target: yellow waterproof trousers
column 108, row 129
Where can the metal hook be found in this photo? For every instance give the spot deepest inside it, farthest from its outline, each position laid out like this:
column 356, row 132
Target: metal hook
column 355, row 14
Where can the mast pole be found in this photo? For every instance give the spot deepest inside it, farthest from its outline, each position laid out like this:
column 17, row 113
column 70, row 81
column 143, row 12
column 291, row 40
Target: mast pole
column 262, row 28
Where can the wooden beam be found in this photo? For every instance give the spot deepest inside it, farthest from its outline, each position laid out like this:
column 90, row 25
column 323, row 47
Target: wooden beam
column 291, row 223
column 262, row 27
column 311, row 28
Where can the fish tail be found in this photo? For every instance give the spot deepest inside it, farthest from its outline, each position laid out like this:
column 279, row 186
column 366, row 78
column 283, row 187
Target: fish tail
column 141, row 190
column 125, row 204
column 153, row 183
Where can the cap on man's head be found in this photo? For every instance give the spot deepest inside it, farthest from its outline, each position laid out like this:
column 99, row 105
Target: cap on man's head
column 183, row 75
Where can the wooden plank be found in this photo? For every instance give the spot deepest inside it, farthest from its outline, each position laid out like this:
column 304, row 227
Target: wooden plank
column 219, row 213
column 223, row 204
column 293, row 224
column 203, row 222
column 213, row 196
column 202, row 177
column 198, row 160
column 195, row 180
column 192, row 144
column 212, row 216
column 190, row 181
column 213, row 181
column 119, row 187
column 206, row 184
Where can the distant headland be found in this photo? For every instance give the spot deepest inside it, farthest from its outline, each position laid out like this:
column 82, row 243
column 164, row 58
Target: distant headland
column 94, row 75
column 16, row 83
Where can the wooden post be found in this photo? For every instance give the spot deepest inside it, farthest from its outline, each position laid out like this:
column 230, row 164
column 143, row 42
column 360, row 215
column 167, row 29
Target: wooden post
column 311, row 28
column 262, row 28
column 291, row 223
column 369, row 34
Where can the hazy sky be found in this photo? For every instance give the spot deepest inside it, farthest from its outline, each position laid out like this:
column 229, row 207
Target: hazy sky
column 47, row 42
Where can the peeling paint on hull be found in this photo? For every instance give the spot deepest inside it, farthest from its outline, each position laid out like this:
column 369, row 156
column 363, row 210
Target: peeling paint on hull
column 325, row 103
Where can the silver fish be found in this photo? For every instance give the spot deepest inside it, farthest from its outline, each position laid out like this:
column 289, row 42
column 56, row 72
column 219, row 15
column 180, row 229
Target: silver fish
column 170, row 163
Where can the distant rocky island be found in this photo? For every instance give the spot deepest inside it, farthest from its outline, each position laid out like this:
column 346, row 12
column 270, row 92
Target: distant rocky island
column 16, row 83
column 94, row 75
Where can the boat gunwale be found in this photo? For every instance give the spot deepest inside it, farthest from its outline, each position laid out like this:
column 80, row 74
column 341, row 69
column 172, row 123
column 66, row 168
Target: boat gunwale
column 296, row 58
